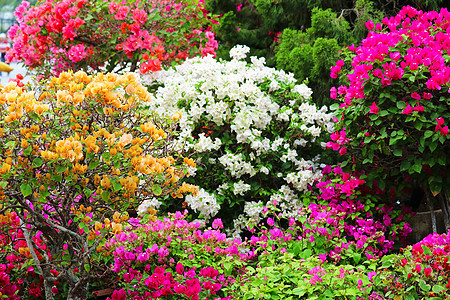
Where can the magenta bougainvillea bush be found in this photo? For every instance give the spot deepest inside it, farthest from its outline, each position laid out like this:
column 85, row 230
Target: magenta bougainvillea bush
column 393, row 115
column 59, row 35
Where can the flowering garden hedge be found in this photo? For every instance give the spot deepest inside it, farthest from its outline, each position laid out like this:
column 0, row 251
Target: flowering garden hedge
column 216, row 179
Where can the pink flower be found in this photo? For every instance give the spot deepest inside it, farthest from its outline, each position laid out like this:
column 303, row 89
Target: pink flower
column 335, row 69
column 179, row 268
column 122, row 12
column 239, row 6
column 370, row 25
column 371, row 275
column 119, row 295
column 343, row 150
column 77, row 53
column 374, row 108
column 407, row 110
column 427, row 272
column 427, row 96
column 415, row 96
column 333, row 93
column 444, row 130
column 270, row 222
column 418, row 268
column 217, row 223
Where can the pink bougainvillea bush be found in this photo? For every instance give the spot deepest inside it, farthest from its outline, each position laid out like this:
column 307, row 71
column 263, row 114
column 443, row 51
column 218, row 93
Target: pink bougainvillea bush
column 392, row 117
column 421, row 271
column 57, row 35
column 173, row 257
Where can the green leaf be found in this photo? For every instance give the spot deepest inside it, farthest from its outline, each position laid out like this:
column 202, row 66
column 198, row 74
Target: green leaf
column 381, row 184
column 26, row 190
column 404, row 165
column 418, row 125
column 107, row 155
column 93, row 164
column 10, row 145
column 88, row 193
column 37, row 162
column 28, row 150
column 356, row 257
column 334, row 106
column 87, row 268
column 425, row 287
column 398, row 152
column 60, row 169
column 306, row 253
column 105, row 195
column 228, row 267
column 156, row 189
column 299, row 291
column 117, row 186
column 57, row 178
column 383, row 113
column 34, row 116
column 416, row 168
column 297, row 247
column 320, row 240
column 437, row 289
column 428, row 133
column 432, row 146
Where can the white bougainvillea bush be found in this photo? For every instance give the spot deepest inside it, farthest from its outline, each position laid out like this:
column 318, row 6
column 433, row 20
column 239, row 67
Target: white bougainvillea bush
column 253, row 131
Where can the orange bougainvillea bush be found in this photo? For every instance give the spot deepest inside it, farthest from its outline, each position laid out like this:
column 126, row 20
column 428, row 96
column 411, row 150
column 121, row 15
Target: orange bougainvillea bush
column 74, row 156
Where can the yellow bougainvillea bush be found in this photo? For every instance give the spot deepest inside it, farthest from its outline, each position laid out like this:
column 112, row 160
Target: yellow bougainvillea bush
column 75, row 156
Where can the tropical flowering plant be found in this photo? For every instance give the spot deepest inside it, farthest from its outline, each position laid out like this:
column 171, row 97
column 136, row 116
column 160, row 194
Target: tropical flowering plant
column 76, row 154
column 419, row 271
column 255, row 133
column 59, row 35
column 393, row 116
column 331, row 248
column 171, row 257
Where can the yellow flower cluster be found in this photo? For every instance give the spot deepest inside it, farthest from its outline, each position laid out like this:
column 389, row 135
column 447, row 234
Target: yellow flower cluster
column 70, row 149
column 154, row 132
column 17, row 100
column 114, row 92
column 184, row 189
column 152, row 165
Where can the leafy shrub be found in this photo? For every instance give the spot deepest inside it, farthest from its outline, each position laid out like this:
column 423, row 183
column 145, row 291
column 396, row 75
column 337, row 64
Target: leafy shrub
column 61, row 35
column 392, row 116
column 309, row 52
column 251, row 129
column 76, row 155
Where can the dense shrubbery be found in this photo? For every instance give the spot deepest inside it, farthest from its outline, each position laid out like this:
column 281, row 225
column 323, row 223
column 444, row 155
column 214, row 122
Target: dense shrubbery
column 76, row 155
column 80, row 154
column 60, row 35
column 393, row 115
column 254, row 133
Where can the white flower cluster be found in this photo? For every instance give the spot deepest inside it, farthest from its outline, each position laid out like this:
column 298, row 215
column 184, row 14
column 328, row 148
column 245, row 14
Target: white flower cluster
column 204, row 203
column 209, row 92
column 236, row 165
column 287, row 202
column 239, row 188
column 147, row 204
